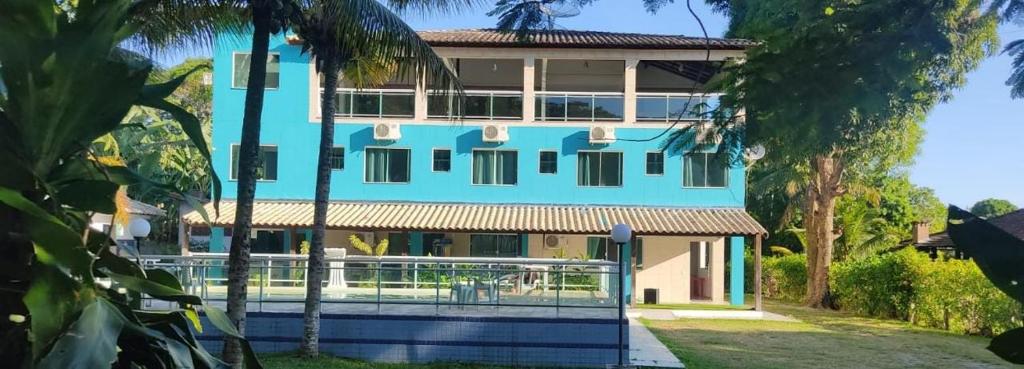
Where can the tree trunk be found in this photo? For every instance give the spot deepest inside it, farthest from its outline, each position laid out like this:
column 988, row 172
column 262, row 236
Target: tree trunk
column 248, row 151
column 819, row 214
column 315, row 265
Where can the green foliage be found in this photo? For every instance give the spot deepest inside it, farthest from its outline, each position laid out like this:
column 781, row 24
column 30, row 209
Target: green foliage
column 783, row 277
column 957, row 296
column 72, row 302
column 359, row 244
column 879, row 285
column 991, row 208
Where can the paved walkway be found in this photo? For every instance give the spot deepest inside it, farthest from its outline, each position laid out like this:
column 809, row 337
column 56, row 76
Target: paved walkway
column 666, row 314
column 646, row 351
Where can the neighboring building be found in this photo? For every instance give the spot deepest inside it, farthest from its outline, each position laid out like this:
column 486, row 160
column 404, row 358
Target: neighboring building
column 561, row 141
column 933, row 243
column 136, row 209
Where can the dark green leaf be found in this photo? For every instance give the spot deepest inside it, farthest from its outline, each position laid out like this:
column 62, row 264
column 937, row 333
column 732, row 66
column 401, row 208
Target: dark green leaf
column 56, row 243
column 51, row 302
column 89, row 195
column 1009, row 345
column 91, row 342
column 153, row 288
column 220, row 320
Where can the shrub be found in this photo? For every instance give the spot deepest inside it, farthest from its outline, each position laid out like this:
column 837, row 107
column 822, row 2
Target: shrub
column 879, row 285
column 956, row 296
column 784, row 277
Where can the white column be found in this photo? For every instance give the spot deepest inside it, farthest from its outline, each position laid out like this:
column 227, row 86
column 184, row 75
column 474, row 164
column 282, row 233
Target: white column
column 629, row 108
column 528, row 97
column 420, row 100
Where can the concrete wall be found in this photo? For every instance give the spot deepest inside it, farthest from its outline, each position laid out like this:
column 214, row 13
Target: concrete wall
column 521, row 342
column 668, row 264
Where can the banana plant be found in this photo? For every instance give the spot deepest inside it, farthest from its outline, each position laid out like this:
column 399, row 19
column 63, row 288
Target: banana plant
column 67, row 300
column 1000, row 256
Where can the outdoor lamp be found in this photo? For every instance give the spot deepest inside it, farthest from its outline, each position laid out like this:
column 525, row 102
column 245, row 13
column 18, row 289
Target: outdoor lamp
column 621, row 233
column 138, row 228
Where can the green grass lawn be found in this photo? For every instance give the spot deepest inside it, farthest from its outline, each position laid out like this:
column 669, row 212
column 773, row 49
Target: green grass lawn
column 824, row 339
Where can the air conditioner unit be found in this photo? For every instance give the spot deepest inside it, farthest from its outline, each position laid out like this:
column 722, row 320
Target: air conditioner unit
column 602, row 134
column 495, row 133
column 386, row 131
column 554, row 241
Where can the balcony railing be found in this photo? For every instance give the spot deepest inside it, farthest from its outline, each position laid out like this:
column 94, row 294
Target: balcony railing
column 667, row 107
column 433, row 281
column 375, row 103
column 579, row 106
column 486, row 105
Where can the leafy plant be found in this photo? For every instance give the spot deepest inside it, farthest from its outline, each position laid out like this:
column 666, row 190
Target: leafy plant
column 359, row 244
column 71, row 302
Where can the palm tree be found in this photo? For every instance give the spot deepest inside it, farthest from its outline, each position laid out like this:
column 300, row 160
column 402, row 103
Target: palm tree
column 368, row 40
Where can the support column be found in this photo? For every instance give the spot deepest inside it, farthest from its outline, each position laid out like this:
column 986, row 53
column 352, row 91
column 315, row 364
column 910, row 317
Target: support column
column 217, row 239
column 757, row 272
column 627, row 266
column 736, row 271
column 524, row 245
column 415, row 243
column 286, row 241
column 629, row 101
column 529, row 100
column 420, row 100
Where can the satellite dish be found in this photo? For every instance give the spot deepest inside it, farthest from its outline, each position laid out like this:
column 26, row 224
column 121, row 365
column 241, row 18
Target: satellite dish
column 754, row 153
column 558, row 10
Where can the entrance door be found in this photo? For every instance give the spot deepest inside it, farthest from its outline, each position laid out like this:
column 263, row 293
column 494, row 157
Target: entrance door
column 700, row 270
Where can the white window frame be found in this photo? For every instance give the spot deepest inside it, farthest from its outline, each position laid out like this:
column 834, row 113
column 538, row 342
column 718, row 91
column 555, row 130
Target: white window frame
column 433, row 152
column 646, row 163
column 233, row 171
column 622, row 169
column 706, row 156
column 233, row 87
column 408, row 165
column 705, row 255
column 330, row 157
column 472, row 164
column 539, row 161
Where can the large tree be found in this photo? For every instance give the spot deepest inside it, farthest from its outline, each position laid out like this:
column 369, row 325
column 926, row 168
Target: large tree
column 830, row 82
column 990, row 208
column 372, row 44
column 1012, row 11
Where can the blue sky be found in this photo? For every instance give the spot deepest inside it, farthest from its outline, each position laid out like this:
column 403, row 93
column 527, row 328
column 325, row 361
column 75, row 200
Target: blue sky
column 974, row 146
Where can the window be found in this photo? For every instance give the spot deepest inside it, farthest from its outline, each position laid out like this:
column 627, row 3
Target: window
column 398, row 244
column 266, row 163
column 494, row 245
column 387, row 165
column 548, row 162
column 495, row 167
column 602, row 248
column 704, row 170
column 599, row 169
column 638, row 245
column 442, row 160
column 337, row 158
column 240, row 73
column 655, row 163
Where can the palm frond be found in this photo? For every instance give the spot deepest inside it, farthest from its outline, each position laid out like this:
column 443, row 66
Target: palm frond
column 168, row 25
column 433, row 6
column 1016, row 80
column 340, row 30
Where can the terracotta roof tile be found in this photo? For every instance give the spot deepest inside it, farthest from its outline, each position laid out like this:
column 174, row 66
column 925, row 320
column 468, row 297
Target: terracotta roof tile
column 459, row 217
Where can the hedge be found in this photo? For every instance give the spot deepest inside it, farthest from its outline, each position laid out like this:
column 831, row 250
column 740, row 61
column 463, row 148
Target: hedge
column 907, row 285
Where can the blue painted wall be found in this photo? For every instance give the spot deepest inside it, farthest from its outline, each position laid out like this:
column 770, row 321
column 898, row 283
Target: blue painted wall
column 286, row 124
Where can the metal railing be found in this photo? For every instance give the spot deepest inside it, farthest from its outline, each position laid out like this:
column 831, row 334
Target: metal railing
column 436, row 281
column 667, row 107
column 375, row 103
column 479, row 104
column 579, row 106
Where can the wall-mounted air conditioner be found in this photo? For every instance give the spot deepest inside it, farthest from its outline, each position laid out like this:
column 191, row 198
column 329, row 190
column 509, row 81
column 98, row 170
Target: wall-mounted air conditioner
column 387, row 131
column 602, row 134
column 552, row 241
column 495, row 133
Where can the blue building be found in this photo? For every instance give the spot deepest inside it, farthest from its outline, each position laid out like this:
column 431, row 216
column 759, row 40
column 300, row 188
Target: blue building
column 561, row 140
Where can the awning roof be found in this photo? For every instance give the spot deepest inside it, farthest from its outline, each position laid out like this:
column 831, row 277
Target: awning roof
column 460, row 217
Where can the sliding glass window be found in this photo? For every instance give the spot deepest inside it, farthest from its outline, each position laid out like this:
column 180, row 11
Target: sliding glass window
column 387, row 165
column 495, row 167
column 599, row 169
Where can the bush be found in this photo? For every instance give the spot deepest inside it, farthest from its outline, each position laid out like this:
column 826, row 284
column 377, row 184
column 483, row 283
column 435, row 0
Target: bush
column 879, row 285
column 783, row 277
column 956, row 296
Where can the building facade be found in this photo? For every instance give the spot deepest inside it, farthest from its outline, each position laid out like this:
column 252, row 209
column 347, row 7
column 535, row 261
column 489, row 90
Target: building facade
column 561, row 138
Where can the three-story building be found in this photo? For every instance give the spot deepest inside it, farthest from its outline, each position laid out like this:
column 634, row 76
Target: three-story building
column 561, row 139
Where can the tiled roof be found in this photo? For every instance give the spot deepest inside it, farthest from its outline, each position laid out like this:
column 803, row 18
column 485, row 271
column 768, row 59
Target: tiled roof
column 141, row 208
column 460, row 217
column 577, row 39
column 1012, row 223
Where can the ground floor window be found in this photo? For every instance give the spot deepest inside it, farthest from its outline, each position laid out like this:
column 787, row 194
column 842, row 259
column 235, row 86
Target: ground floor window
column 494, row 245
column 602, row 248
column 398, row 244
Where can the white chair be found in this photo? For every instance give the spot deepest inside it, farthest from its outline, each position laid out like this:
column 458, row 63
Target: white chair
column 337, row 275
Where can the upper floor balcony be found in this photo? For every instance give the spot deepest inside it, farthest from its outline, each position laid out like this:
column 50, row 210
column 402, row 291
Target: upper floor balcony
column 544, row 91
